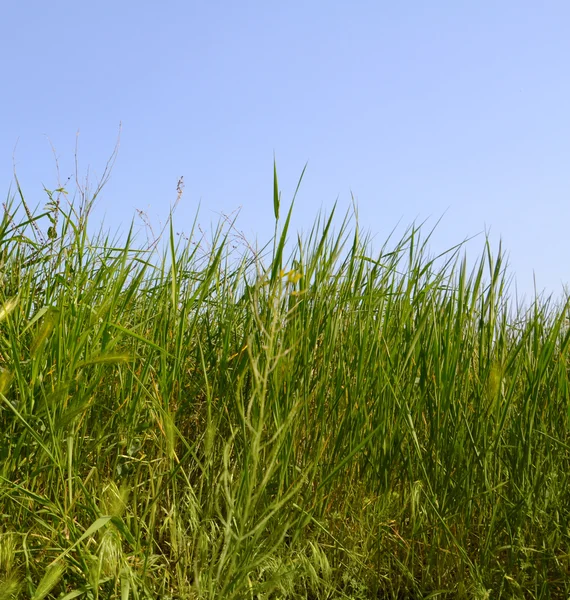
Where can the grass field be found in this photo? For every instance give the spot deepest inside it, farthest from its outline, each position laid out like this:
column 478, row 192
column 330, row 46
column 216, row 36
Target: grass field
column 187, row 419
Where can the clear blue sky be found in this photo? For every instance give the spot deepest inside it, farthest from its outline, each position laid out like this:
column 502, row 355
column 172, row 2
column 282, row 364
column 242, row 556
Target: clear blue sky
column 416, row 108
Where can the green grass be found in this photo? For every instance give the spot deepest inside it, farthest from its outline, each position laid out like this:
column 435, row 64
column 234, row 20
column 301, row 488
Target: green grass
column 178, row 422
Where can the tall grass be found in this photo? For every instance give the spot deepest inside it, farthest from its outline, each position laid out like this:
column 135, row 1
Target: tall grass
column 178, row 423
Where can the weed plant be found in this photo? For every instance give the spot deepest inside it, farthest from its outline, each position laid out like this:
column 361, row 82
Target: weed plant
column 177, row 423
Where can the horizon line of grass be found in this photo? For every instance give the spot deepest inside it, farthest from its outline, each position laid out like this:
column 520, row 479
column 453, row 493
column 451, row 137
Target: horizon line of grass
column 181, row 424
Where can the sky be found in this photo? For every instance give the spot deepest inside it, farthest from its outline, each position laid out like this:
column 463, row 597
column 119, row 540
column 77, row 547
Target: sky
column 420, row 111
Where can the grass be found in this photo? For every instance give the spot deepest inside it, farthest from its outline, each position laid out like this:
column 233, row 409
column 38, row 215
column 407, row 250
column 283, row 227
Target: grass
column 179, row 422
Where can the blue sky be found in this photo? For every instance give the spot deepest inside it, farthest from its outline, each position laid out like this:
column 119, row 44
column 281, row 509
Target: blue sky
column 418, row 109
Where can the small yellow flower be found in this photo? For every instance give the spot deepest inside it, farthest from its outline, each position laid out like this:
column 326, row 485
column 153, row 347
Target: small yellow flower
column 292, row 276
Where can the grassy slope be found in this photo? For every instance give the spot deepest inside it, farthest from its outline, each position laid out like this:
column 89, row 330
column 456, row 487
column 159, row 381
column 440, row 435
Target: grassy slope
column 185, row 425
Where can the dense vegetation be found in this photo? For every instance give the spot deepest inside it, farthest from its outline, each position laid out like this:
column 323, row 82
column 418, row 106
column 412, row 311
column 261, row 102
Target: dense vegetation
column 187, row 419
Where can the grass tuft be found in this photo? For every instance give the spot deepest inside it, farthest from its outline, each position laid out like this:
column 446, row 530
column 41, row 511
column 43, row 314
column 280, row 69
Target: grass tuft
column 332, row 423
